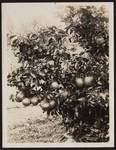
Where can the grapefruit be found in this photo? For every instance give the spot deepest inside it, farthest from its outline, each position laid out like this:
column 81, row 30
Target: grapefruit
column 88, row 81
column 54, row 85
column 19, row 97
column 100, row 40
column 79, row 82
column 34, row 101
column 52, row 104
column 26, row 102
column 45, row 105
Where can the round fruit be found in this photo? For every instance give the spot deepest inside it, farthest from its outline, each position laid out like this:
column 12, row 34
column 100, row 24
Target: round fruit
column 54, row 85
column 43, row 102
column 26, row 102
column 88, row 81
column 34, row 101
column 64, row 93
column 105, row 18
column 45, row 105
column 19, row 97
column 100, row 40
column 52, row 104
column 79, row 82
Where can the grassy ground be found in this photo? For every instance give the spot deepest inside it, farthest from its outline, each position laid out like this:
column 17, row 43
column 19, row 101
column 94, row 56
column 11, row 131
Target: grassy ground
column 30, row 125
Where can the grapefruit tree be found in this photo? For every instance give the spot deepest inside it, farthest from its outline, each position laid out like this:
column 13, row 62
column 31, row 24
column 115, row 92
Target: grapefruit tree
column 74, row 86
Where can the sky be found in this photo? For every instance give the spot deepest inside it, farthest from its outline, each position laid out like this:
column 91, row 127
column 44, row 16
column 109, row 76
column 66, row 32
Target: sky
column 19, row 16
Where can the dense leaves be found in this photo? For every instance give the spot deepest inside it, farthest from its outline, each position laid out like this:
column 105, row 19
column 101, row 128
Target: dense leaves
column 50, row 70
column 89, row 26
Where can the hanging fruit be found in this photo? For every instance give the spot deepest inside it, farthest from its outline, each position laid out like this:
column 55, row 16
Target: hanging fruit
column 26, row 101
column 79, row 82
column 54, row 85
column 20, row 97
column 34, row 101
column 88, row 81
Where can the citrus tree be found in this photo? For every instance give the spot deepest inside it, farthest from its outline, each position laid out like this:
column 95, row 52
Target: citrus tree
column 72, row 85
column 89, row 27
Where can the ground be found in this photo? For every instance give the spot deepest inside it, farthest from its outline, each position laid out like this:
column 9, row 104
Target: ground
column 30, row 125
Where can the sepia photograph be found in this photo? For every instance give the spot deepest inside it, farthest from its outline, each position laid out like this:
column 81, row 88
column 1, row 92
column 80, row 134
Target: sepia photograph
column 58, row 74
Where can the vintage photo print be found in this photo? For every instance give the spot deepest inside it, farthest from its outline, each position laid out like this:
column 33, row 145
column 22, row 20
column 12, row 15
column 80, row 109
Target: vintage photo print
column 58, row 74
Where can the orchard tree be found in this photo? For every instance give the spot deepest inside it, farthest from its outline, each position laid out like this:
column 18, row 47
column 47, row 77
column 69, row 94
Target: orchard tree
column 88, row 26
column 74, row 86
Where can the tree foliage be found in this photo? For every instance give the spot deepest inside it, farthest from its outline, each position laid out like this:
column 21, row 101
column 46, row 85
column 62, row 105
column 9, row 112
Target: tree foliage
column 89, row 26
column 46, row 59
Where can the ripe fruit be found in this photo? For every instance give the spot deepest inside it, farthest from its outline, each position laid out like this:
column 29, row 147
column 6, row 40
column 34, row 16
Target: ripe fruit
column 43, row 102
column 79, row 82
column 19, row 97
column 34, row 101
column 105, row 18
column 100, row 40
column 88, row 81
column 54, row 85
column 52, row 104
column 45, row 105
column 26, row 102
